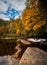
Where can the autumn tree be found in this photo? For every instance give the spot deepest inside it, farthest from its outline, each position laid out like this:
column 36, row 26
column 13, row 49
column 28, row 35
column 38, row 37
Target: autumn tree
column 33, row 18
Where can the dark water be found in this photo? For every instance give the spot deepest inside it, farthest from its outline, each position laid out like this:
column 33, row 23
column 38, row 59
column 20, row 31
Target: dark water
column 7, row 47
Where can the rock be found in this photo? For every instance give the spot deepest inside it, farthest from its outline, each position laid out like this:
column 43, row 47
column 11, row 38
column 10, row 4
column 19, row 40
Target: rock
column 23, row 41
column 8, row 60
column 4, row 60
column 32, row 41
column 34, row 56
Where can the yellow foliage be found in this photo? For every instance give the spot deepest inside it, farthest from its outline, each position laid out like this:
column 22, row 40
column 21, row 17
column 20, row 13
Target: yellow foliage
column 18, row 31
column 27, row 28
column 28, row 20
column 11, row 24
column 27, row 13
column 33, row 19
column 39, row 25
column 2, row 28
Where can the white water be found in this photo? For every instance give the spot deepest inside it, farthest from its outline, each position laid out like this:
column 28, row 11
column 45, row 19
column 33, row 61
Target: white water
column 36, row 40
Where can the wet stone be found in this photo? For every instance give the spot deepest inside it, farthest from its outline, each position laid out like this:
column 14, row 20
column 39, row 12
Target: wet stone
column 34, row 56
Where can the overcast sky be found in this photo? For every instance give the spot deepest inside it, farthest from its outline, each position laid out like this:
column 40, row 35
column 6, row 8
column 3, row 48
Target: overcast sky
column 11, row 8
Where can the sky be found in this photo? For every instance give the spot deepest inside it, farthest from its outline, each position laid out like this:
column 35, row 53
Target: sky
column 11, row 8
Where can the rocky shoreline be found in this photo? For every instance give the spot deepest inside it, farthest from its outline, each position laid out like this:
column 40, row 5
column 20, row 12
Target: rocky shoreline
column 32, row 55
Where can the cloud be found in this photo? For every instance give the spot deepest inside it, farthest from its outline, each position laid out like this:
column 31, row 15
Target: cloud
column 11, row 8
column 3, row 6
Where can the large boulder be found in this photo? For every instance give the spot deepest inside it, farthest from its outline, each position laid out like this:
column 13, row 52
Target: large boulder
column 8, row 60
column 34, row 56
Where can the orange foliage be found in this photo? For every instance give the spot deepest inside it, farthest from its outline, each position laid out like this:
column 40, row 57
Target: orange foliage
column 2, row 28
column 39, row 25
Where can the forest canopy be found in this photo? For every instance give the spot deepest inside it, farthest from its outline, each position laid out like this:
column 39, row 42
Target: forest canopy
column 31, row 23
